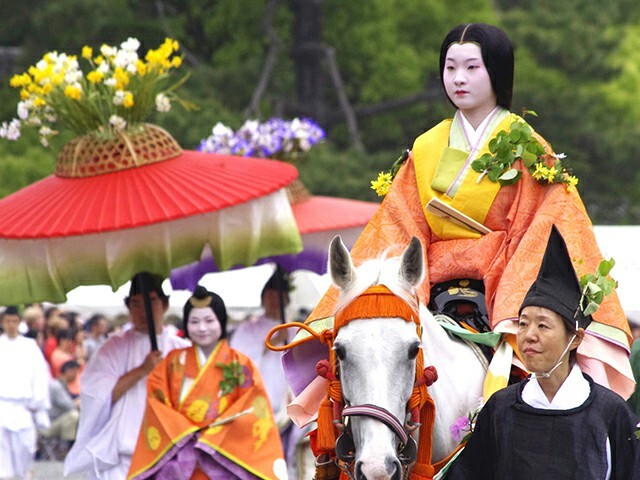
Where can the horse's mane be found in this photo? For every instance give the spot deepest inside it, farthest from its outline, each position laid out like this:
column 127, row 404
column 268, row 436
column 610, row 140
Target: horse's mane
column 378, row 271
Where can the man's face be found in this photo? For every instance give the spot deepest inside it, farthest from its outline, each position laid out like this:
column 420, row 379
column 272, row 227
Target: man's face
column 138, row 317
column 70, row 375
column 10, row 324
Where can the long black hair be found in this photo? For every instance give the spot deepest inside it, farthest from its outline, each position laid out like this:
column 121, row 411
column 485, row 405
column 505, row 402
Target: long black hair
column 497, row 55
column 203, row 298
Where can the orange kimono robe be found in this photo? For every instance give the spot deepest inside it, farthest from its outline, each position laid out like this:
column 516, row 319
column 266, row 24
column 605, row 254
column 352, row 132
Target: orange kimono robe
column 507, row 259
column 223, row 426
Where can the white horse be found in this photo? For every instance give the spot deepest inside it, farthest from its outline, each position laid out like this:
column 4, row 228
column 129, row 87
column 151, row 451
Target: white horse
column 377, row 361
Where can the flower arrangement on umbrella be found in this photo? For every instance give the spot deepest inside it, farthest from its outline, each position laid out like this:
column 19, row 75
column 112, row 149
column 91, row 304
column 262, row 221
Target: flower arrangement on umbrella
column 125, row 196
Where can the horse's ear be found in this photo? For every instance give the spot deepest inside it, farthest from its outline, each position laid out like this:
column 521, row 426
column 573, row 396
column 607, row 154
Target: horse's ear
column 340, row 265
column 412, row 263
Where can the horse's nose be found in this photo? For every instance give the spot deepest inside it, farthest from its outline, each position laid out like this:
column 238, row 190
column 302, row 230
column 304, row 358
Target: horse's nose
column 391, row 465
column 394, row 468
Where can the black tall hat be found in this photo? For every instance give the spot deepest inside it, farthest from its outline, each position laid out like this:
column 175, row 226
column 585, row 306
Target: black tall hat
column 557, row 286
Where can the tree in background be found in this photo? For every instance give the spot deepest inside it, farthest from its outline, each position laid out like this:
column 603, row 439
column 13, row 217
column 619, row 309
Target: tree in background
column 578, row 67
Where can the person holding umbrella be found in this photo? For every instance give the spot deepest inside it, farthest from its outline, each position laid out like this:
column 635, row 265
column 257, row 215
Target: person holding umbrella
column 114, row 385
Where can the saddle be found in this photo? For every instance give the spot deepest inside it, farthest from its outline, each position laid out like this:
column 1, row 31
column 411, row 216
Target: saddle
column 463, row 301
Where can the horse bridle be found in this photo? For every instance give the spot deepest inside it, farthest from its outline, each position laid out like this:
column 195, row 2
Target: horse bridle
column 407, row 449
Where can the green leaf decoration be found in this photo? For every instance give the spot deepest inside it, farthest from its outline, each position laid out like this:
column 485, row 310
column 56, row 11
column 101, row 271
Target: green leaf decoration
column 596, row 286
column 519, row 143
column 232, row 376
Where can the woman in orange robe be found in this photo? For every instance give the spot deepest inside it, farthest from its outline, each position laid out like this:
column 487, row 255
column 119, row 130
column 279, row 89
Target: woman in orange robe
column 208, row 414
column 476, row 65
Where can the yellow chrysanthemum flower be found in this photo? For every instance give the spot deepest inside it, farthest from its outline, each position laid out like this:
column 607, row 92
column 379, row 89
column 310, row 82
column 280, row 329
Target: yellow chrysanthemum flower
column 382, row 184
column 128, row 100
column 24, row 94
column 46, row 89
column 541, row 171
column 39, row 102
column 95, row 76
column 99, row 60
column 87, row 52
column 176, row 62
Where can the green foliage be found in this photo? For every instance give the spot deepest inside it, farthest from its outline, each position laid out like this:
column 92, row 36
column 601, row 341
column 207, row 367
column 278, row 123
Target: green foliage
column 232, row 376
column 577, row 64
column 596, row 286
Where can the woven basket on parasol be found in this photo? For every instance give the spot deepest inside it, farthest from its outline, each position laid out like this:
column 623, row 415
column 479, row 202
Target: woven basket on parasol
column 93, row 154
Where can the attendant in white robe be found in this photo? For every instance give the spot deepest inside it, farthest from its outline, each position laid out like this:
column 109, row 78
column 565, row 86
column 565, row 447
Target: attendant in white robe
column 113, row 388
column 24, row 397
column 249, row 338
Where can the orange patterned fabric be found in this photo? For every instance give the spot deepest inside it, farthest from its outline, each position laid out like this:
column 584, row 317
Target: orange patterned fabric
column 507, row 260
column 251, row 440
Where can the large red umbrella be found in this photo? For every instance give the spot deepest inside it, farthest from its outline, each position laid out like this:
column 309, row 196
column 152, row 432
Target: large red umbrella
column 101, row 220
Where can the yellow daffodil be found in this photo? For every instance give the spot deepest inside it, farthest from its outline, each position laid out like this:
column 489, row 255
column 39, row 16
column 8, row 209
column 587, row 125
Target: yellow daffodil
column 141, row 67
column 87, row 52
column 118, row 91
column 128, row 100
column 72, row 91
column 95, row 76
column 121, row 77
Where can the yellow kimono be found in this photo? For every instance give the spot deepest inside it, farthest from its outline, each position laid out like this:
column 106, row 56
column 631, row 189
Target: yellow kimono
column 506, row 260
column 207, row 421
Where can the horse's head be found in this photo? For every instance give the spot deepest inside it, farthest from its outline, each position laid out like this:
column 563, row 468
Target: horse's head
column 376, row 346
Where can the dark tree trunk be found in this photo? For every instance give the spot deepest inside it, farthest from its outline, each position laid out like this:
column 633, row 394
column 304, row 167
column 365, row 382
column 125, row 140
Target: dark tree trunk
column 307, row 55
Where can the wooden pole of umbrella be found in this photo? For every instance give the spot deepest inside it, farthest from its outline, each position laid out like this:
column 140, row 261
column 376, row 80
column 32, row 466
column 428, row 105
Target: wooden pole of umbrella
column 144, row 288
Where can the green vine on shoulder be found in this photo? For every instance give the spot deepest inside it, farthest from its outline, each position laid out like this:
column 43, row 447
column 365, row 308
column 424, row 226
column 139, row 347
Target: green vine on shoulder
column 520, row 144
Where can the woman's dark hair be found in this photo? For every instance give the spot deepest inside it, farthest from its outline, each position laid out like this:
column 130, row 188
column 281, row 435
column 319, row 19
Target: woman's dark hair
column 203, row 298
column 497, row 55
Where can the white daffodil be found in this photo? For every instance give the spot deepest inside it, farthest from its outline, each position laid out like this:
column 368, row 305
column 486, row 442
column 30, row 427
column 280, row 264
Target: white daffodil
column 118, row 97
column 130, row 45
column 163, row 104
column 117, row 122
column 11, row 130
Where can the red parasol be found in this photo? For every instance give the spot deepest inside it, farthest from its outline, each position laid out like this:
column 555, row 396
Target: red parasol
column 102, row 222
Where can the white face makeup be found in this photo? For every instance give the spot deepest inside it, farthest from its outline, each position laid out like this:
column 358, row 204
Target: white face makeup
column 467, row 82
column 203, row 327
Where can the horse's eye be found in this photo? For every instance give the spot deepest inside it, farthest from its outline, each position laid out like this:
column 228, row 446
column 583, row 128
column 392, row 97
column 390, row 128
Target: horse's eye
column 341, row 352
column 413, row 350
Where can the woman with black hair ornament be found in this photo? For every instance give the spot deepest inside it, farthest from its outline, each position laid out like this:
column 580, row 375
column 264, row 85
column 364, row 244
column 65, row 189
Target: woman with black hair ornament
column 208, row 414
